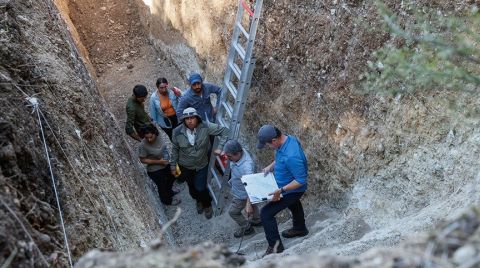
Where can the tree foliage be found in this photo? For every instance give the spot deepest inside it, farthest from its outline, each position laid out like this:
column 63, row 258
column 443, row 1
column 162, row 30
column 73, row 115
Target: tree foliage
column 431, row 50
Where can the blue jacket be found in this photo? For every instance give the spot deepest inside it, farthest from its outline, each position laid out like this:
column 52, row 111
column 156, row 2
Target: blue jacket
column 156, row 112
column 291, row 164
column 202, row 104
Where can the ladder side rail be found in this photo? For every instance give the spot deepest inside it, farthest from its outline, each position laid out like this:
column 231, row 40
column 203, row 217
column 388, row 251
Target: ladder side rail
column 252, row 32
column 242, row 100
column 243, row 87
column 232, row 53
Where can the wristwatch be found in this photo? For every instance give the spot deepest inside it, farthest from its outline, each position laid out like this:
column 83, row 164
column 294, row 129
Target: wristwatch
column 282, row 190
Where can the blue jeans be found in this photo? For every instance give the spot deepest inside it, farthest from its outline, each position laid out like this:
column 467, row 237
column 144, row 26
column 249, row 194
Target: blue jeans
column 270, row 226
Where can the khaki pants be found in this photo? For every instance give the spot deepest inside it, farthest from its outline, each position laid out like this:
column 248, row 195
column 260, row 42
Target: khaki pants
column 235, row 211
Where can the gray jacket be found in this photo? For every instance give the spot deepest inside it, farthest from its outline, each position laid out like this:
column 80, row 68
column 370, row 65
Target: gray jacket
column 195, row 156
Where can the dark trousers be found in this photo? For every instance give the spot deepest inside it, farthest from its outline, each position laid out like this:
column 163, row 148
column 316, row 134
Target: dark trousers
column 290, row 201
column 197, row 184
column 173, row 122
column 164, row 179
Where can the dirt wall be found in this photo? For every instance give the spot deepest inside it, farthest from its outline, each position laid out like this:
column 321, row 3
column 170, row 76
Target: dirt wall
column 102, row 203
column 310, row 59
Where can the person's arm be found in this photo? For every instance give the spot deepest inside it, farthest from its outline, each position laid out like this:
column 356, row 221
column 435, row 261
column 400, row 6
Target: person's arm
column 182, row 105
column 129, row 123
column 153, row 109
column 174, row 99
column 291, row 186
column 268, row 168
column 217, row 91
column 149, row 161
column 221, row 132
column 174, row 158
column 297, row 167
column 249, row 208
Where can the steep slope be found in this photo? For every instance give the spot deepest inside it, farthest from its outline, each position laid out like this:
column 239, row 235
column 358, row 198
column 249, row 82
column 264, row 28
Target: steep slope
column 381, row 167
column 102, row 195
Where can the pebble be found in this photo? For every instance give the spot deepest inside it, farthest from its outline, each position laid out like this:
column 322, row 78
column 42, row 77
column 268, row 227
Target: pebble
column 464, row 254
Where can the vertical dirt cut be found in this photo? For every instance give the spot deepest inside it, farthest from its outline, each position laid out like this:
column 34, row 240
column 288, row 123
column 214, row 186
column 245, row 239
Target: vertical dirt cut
column 101, row 190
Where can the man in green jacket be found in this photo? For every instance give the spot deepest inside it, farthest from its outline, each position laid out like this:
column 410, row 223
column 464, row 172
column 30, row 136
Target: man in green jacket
column 190, row 144
column 136, row 115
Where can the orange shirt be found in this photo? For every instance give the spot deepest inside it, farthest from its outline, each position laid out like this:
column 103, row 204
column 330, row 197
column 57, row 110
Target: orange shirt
column 166, row 105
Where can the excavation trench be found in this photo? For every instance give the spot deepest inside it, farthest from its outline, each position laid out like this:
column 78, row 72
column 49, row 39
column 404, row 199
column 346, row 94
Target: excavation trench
column 368, row 187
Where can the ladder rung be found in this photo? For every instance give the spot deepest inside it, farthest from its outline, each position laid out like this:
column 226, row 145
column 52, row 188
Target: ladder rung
column 233, row 90
column 228, row 108
column 241, row 52
column 239, row 25
column 217, row 179
column 222, row 122
column 236, row 70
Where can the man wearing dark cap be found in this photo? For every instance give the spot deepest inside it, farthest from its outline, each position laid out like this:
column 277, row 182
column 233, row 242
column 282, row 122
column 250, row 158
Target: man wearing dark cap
column 136, row 115
column 198, row 97
column 290, row 171
column 241, row 164
column 190, row 143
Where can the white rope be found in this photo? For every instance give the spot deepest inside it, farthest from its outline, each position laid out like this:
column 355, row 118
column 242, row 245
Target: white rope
column 78, row 177
column 34, row 102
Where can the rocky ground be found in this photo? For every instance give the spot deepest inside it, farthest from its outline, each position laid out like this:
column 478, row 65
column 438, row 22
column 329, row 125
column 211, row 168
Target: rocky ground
column 383, row 169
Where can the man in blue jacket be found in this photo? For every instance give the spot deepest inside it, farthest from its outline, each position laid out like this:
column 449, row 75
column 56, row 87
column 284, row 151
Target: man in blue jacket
column 291, row 171
column 198, row 97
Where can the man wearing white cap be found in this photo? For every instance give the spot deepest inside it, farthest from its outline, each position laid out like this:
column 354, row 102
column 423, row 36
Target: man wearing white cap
column 190, row 144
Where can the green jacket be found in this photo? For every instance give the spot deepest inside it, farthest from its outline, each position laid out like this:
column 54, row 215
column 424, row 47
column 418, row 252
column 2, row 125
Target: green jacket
column 195, row 156
column 136, row 116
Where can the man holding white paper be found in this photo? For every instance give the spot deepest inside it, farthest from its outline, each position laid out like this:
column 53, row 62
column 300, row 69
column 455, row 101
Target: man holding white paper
column 241, row 164
column 291, row 171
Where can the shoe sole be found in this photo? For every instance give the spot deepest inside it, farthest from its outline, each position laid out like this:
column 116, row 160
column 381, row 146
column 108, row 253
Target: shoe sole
column 292, row 236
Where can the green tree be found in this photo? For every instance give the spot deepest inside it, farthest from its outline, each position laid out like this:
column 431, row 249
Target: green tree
column 436, row 51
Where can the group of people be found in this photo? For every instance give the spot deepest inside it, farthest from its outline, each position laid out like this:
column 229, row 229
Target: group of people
column 188, row 119
column 191, row 139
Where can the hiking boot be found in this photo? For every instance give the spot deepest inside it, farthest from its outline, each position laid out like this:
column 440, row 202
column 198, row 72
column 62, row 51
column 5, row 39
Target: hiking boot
column 243, row 232
column 199, row 208
column 271, row 250
column 175, row 202
column 208, row 212
column 256, row 224
column 289, row 233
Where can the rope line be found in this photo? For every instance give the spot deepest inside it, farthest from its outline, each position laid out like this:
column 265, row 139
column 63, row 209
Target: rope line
column 78, row 177
column 36, row 108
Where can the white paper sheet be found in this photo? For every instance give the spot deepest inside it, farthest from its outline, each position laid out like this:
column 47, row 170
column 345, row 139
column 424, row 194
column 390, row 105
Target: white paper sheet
column 259, row 186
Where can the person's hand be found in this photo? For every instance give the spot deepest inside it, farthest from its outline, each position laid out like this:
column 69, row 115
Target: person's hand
column 177, row 92
column 249, row 210
column 163, row 162
column 276, row 195
column 217, row 152
column 266, row 171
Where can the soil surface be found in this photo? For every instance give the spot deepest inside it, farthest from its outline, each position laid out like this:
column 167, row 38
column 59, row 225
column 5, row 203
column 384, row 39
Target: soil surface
column 382, row 169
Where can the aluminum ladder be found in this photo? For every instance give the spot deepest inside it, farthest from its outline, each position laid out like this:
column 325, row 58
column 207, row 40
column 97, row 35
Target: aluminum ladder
column 237, row 79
